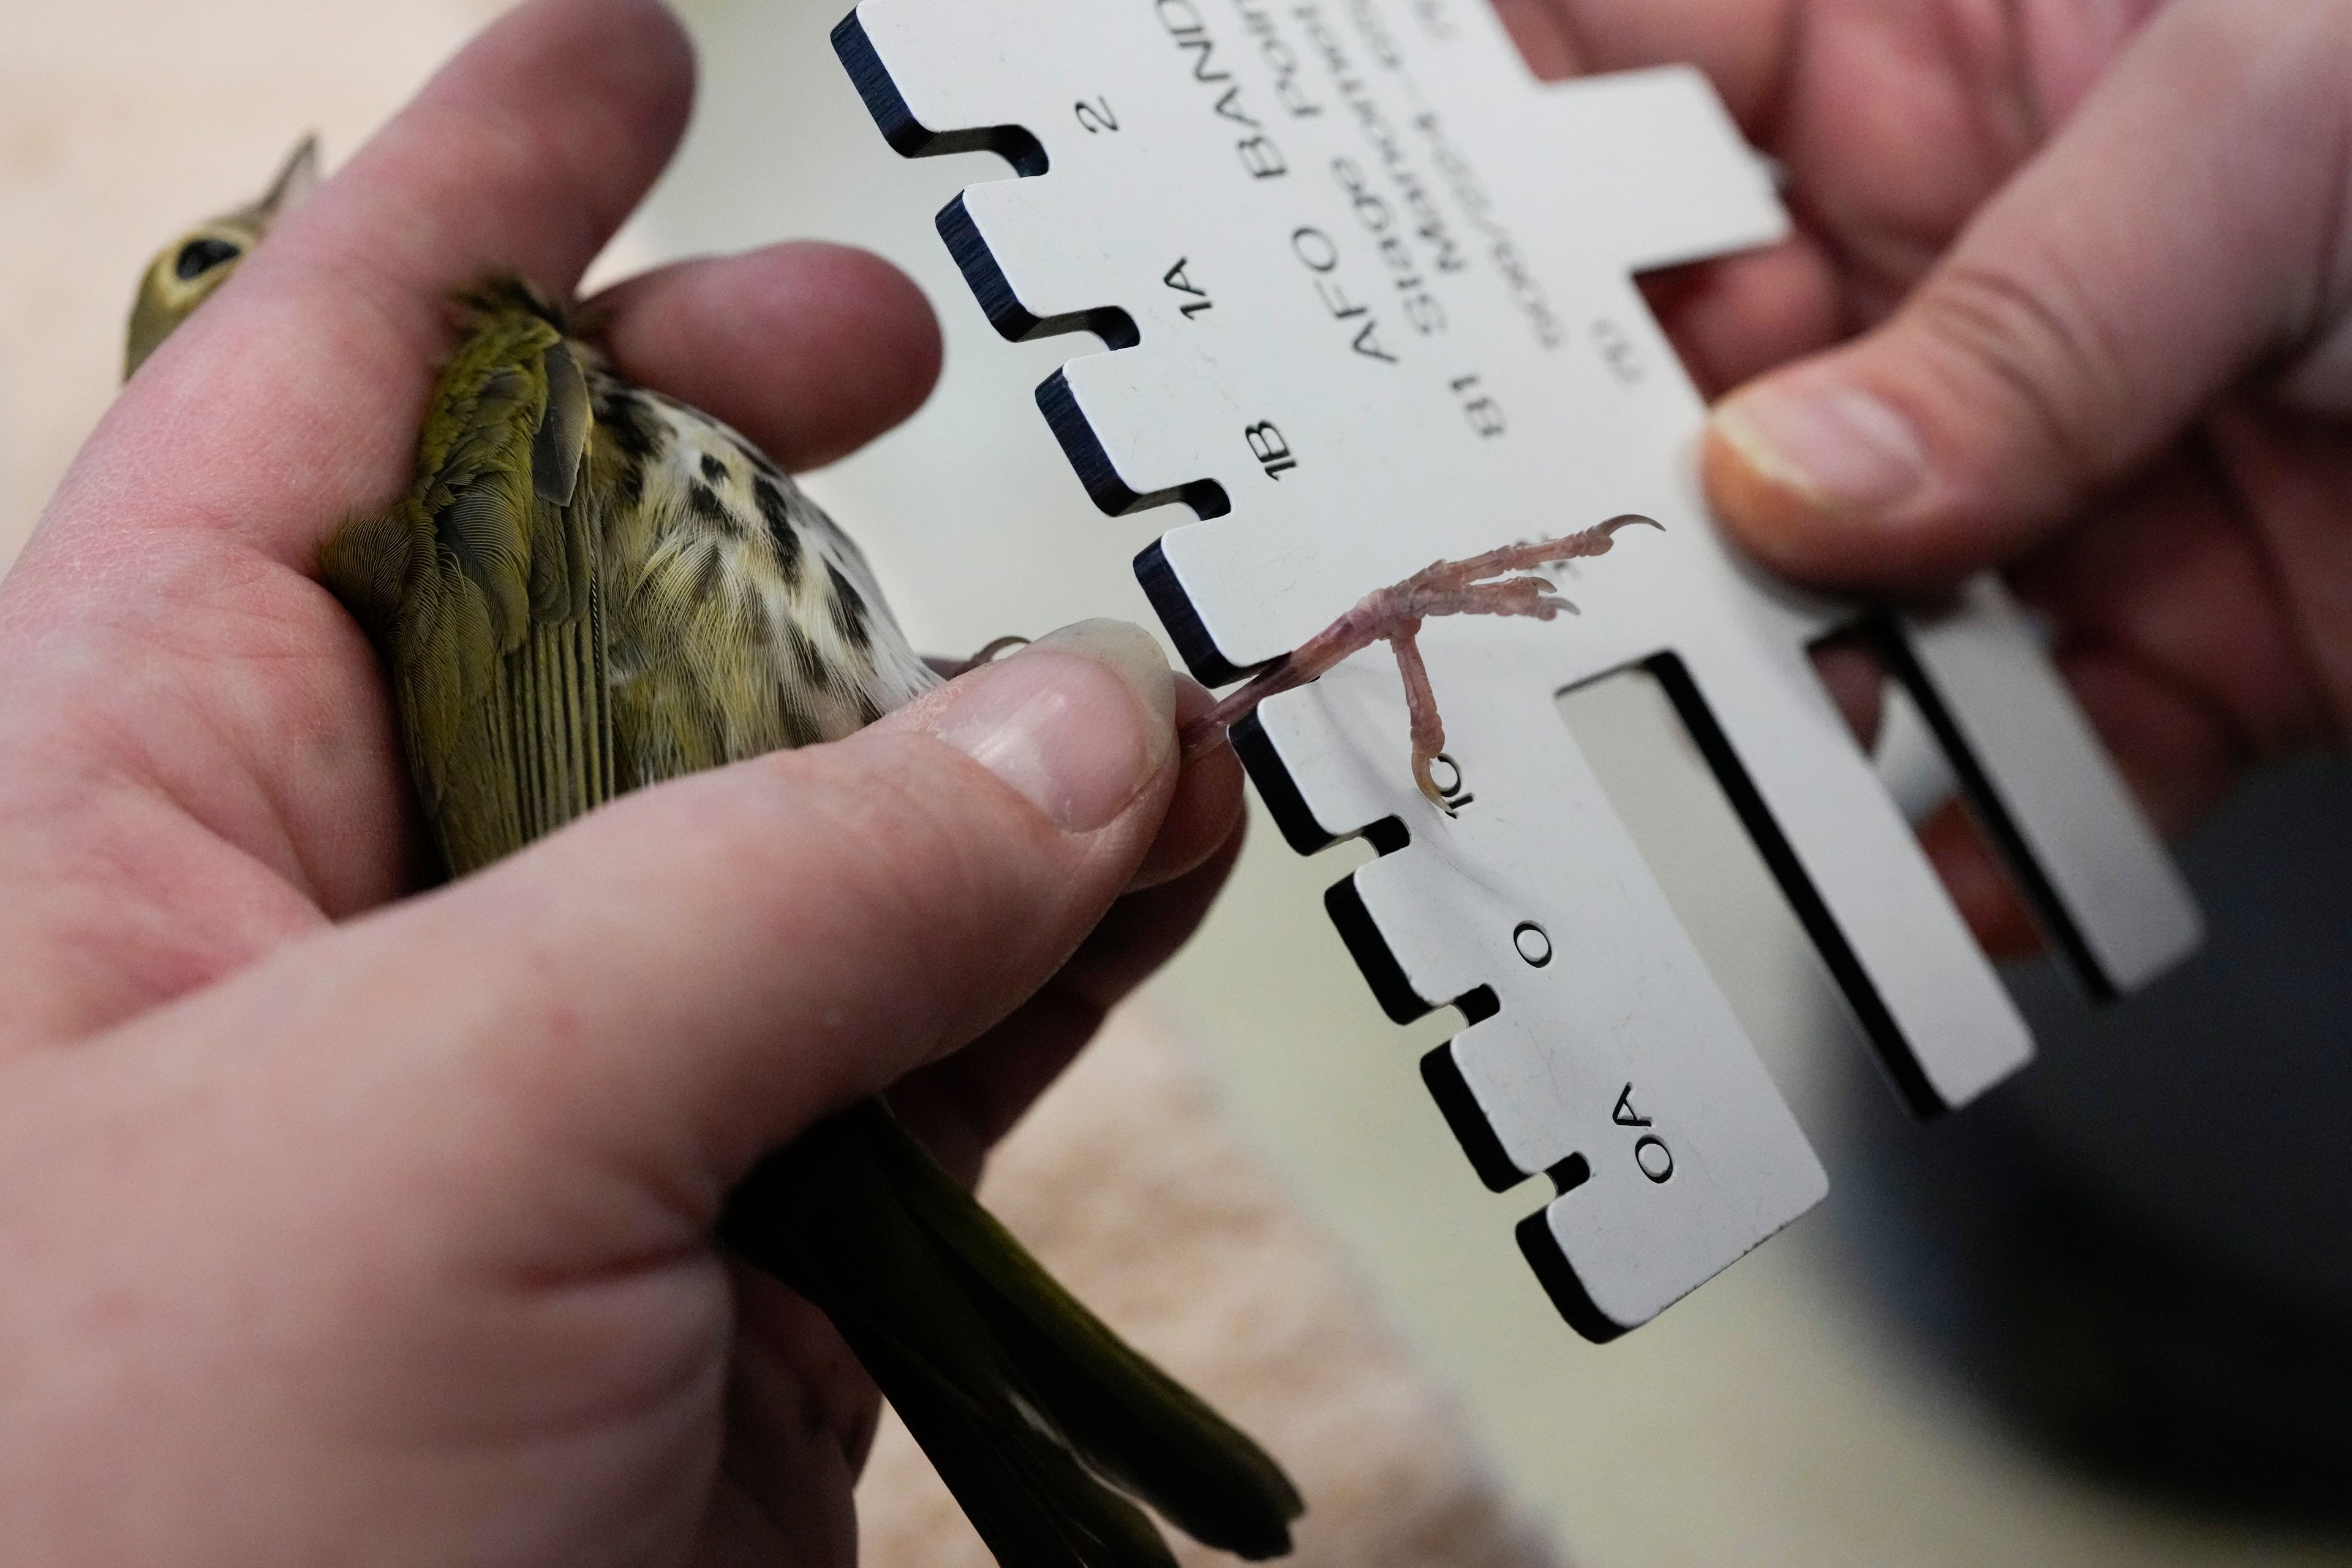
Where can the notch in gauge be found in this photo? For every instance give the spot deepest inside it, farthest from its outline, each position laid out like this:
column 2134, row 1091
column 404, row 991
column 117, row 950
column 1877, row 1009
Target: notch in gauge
column 1012, row 319
column 908, row 136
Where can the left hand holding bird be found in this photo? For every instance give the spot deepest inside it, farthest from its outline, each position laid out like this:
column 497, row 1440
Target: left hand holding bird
column 390, row 1240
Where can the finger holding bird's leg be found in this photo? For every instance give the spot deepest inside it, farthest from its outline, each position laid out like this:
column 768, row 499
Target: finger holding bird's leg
column 804, row 929
column 799, row 1398
column 799, row 1402
column 961, row 1104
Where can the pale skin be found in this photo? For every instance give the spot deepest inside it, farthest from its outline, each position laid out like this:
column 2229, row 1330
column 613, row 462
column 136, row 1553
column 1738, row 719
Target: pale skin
column 344, row 1237
column 2099, row 256
column 337, row 1227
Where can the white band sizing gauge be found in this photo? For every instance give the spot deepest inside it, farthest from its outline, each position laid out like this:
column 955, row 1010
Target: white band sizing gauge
column 1366, row 294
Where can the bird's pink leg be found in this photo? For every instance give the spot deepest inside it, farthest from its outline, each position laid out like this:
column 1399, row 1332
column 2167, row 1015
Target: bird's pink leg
column 1488, row 584
column 948, row 668
column 1423, row 722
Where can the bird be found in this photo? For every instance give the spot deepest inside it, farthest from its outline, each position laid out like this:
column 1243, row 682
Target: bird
column 589, row 587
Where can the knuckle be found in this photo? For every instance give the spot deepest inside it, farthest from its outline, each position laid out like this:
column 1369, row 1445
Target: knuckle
column 2034, row 335
column 916, row 848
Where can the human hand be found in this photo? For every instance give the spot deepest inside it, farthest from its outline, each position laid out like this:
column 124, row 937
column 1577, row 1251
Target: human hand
column 390, row 1239
column 2100, row 256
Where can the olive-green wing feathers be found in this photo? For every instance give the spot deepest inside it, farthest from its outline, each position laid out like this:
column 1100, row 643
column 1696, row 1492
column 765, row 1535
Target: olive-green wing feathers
column 482, row 587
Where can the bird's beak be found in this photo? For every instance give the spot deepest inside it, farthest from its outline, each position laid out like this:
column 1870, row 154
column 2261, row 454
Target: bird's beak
column 294, row 184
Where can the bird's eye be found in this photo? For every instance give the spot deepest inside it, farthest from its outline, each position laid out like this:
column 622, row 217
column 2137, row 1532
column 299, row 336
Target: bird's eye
column 199, row 257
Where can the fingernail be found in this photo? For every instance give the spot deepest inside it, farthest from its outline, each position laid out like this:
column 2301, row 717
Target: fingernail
column 1839, row 449
column 1078, row 722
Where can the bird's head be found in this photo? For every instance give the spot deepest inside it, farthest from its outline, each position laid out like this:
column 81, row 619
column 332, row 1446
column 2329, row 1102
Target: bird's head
column 186, row 272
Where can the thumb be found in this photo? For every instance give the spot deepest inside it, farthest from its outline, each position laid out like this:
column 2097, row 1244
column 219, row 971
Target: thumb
column 670, row 987
column 2186, row 228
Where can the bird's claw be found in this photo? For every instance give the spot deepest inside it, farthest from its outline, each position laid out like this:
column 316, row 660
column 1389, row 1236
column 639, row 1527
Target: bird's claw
column 1498, row 582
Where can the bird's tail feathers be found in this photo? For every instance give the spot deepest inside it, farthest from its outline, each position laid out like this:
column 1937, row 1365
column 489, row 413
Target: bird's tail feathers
column 1129, row 1420
column 824, row 1216
column 1029, row 1496
column 1021, row 1397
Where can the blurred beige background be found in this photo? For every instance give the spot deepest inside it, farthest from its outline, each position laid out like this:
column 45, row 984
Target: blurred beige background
column 1249, row 1177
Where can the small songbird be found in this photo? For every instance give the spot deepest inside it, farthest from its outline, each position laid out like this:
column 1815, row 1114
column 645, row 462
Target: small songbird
column 590, row 587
